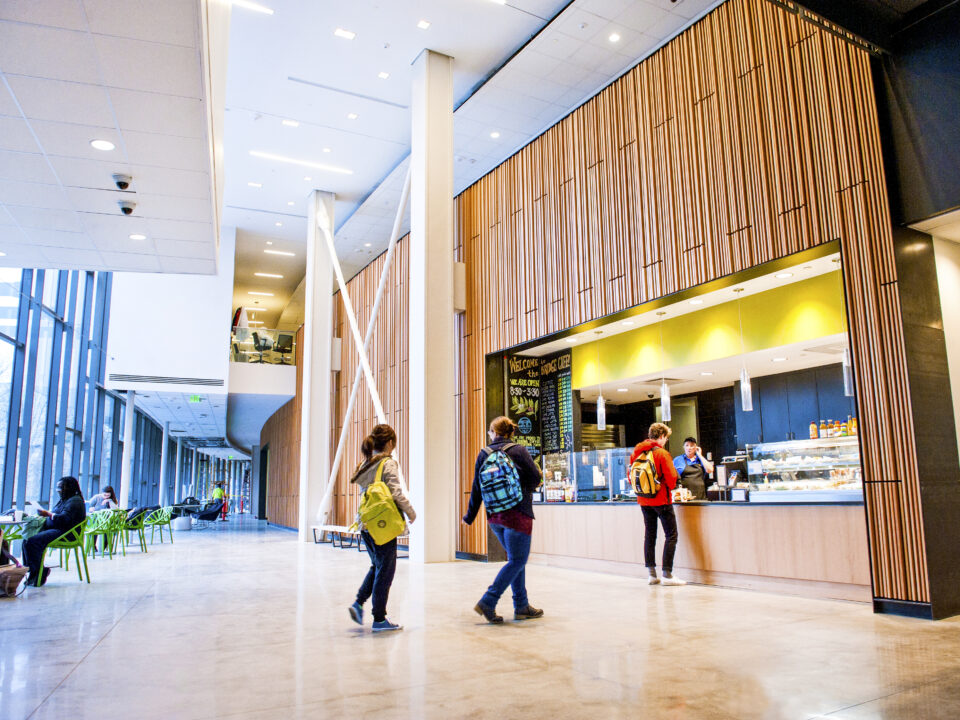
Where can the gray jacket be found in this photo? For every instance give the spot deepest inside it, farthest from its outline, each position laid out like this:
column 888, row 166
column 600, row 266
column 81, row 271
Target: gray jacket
column 366, row 473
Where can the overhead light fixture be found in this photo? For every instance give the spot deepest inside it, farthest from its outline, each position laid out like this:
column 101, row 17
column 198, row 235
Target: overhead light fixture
column 622, row 390
column 614, row 37
column 290, row 203
column 746, row 389
column 352, row 116
column 255, row 322
column 308, row 179
column 291, row 123
column 367, row 244
column 778, row 359
column 104, row 145
column 665, row 414
column 783, row 275
column 280, row 252
column 423, row 25
column 326, row 150
column 494, row 134
column 256, row 7
column 696, row 302
column 255, row 185
column 257, row 292
column 706, row 373
column 269, row 242
column 601, row 413
column 499, row 2
column 296, row 161
column 345, row 34
column 571, row 340
column 278, row 224
column 383, row 75
column 847, row 373
column 269, row 275
column 627, row 323
column 138, row 236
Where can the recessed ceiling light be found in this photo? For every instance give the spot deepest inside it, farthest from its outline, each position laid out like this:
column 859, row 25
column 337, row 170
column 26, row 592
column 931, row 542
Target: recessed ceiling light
column 571, row 340
column 255, row 185
column 305, row 163
column 423, row 25
column 138, row 236
column 706, row 373
column 494, row 134
column 352, row 116
column 779, row 359
column 326, row 150
column 622, row 390
column 383, row 75
column 345, row 34
column 308, row 179
column 783, row 276
column 499, row 2
column 256, row 7
column 278, row 224
column 290, row 203
column 104, row 145
column 614, row 37
column 3, row 254
column 257, row 292
column 366, row 244
column 628, row 323
column 269, row 242
column 291, row 123
column 269, row 275
column 255, row 322
column 696, row 302
column 280, row 252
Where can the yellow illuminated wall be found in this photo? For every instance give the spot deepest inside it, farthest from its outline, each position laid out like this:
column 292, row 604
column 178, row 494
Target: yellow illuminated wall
column 794, row 313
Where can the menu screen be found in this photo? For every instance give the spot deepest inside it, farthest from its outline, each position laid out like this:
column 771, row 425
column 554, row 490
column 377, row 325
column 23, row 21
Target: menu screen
column 523, row 400
column 556, row 403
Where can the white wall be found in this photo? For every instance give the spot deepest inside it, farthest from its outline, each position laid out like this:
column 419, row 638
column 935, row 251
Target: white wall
column 173, row 325
column 948, row 277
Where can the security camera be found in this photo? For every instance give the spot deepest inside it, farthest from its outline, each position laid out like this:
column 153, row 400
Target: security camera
column 122, row 181
column 126, row 207
column 650, row 395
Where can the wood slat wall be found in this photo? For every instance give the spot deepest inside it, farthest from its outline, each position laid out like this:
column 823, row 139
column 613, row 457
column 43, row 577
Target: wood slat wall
column 281, row 434
column 749, row 137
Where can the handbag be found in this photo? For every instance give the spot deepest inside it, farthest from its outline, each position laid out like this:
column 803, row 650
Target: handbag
column 10, row 579
column 378, row 513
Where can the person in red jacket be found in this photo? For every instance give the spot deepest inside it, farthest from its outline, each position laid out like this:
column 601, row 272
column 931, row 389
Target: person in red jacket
column 659, row 507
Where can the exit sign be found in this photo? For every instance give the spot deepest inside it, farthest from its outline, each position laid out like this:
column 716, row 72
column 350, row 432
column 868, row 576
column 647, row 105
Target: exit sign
column 195, row 398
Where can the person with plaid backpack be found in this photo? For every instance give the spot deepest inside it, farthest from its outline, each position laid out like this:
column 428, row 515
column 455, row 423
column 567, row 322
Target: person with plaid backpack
column 504, row 479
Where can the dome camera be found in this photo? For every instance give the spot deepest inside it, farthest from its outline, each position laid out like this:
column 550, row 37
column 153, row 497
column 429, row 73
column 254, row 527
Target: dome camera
column 122, row 181
column 126, row 207
column 650, row 396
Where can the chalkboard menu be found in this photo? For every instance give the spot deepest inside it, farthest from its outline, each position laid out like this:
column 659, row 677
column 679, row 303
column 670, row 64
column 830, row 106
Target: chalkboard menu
column 523, row 400
column 556, row 403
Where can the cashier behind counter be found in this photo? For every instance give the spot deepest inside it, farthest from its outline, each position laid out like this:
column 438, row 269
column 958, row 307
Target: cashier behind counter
column 693, row 468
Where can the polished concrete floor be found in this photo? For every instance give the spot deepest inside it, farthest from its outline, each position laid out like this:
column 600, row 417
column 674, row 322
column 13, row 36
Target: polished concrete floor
column 244, row 622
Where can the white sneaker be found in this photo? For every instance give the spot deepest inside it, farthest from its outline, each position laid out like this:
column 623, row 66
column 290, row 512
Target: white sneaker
column 674, row 581
column 653, row 580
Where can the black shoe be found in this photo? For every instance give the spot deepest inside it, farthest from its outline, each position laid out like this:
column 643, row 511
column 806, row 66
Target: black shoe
column 527, row 613
column 44, row 574
column 489, row 614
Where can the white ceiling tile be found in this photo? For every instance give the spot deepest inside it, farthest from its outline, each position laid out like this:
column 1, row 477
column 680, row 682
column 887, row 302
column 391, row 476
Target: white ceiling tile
column 578, row 23
column 666, row 27
column 55, row 238
column 558, row 45
column 639, row 46
column 124, row 245
column 15, row 135
column 79, row 172
column 166, row 151
column 179, row 230
column 27, row 167
column 149, row 67
column 48, row 52
column 34, row 195
column 161, row 114
column 168, row 181
column 57, row 13
column 102, row 202
column 7, row 105
column 170, row 21
column 641, row 16
column 5, row 217
column 131, row 262
column 163, row 207
column 608, row 9
column 68, row 140
column 188, row 266
column 184, row 249
column 31, row 217
column 113, row 230
column 44, row 99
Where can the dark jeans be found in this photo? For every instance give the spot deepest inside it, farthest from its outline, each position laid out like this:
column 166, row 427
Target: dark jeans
column 383, row 564
column 517, row 545
column 33, row 550
column 669, row 521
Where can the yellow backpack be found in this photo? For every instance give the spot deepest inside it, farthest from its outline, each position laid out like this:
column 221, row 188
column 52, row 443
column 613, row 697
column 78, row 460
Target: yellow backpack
column 378, row 512
column 644, row 477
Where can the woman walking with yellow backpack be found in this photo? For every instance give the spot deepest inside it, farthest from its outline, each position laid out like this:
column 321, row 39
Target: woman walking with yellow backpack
column 381, row 520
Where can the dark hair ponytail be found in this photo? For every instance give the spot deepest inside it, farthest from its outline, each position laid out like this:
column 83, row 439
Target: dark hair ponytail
column 377, row 441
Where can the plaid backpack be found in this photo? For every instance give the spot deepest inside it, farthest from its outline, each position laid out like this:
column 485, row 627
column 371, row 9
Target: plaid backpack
column 499, row 480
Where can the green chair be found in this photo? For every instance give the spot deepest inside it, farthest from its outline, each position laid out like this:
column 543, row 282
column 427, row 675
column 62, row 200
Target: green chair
column 137, row 526
column 72, row 539
column 117, row 526
column 98, row 524
column 160, row 519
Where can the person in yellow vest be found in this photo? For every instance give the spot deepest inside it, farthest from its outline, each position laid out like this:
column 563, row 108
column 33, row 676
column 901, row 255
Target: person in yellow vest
column 220, row 494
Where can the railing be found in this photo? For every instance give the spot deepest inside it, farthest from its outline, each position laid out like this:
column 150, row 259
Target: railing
column 263, row 345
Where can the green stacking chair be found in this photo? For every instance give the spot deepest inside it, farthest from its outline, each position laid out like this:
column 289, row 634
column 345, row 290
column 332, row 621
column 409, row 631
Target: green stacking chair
column 158, row 520
column 117, row 526
column 137, row 526
column 72, row 539
column 96, row 525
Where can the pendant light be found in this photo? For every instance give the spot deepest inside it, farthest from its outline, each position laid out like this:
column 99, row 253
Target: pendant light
column 601, row 403
column 665, row 414
column 847, row 364
column 746, row 390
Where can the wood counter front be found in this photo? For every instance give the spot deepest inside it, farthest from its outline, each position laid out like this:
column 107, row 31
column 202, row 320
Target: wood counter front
column 811, row 550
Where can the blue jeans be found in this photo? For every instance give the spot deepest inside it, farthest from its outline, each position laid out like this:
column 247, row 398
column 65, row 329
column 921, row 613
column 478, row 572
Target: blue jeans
column 383, row 565
column 517, row 545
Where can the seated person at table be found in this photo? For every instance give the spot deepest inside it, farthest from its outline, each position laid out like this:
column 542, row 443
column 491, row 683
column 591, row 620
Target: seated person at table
column 68, row 513
column 693, row 468
column 107, row 500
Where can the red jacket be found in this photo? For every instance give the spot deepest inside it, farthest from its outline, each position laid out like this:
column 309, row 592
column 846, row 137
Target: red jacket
column 667, row 472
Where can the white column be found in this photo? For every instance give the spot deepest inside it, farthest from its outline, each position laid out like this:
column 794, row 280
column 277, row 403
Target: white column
column 317, row 380
column 431, row 467
column 126, row 462
column 164, row 462
column 255, row 481
column 178, row 472
column 195, row 480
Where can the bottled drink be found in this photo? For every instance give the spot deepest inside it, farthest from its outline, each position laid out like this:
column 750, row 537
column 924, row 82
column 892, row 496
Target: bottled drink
column 836, row 429
column 823, row 429
column 814, row 431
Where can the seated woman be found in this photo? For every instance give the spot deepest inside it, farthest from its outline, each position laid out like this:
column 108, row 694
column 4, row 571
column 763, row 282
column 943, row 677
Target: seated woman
column 69, row 512
column 107, row 500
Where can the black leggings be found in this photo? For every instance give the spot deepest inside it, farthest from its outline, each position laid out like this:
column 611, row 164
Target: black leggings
column 669, row 521
column 383, row 564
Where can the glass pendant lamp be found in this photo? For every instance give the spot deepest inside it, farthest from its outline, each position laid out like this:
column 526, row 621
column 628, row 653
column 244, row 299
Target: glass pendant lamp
column 601, row 403
column 665, row 414
column 746, row 391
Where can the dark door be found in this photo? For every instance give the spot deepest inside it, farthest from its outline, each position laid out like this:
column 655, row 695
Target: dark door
column 774, row 409
column 802, row 401
column 262, row 483
column 834, row 405
column 748, row 423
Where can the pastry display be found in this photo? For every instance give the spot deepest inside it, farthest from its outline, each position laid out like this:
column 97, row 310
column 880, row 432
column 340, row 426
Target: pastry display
column 816, row 465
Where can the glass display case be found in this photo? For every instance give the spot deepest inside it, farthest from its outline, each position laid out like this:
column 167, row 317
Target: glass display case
column 823, row 470
column 589, row 476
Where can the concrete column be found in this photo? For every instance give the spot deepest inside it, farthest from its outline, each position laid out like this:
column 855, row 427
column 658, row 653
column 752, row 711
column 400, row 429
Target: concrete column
column 317, row 380
column 255, row 482
column 164, row 463
column 431, row 466
column 178, row 472
column 126, row 462
column 195, row 475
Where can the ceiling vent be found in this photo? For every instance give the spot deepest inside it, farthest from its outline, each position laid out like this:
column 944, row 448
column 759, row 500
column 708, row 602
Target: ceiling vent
column 833, row 349
column 160, row 380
